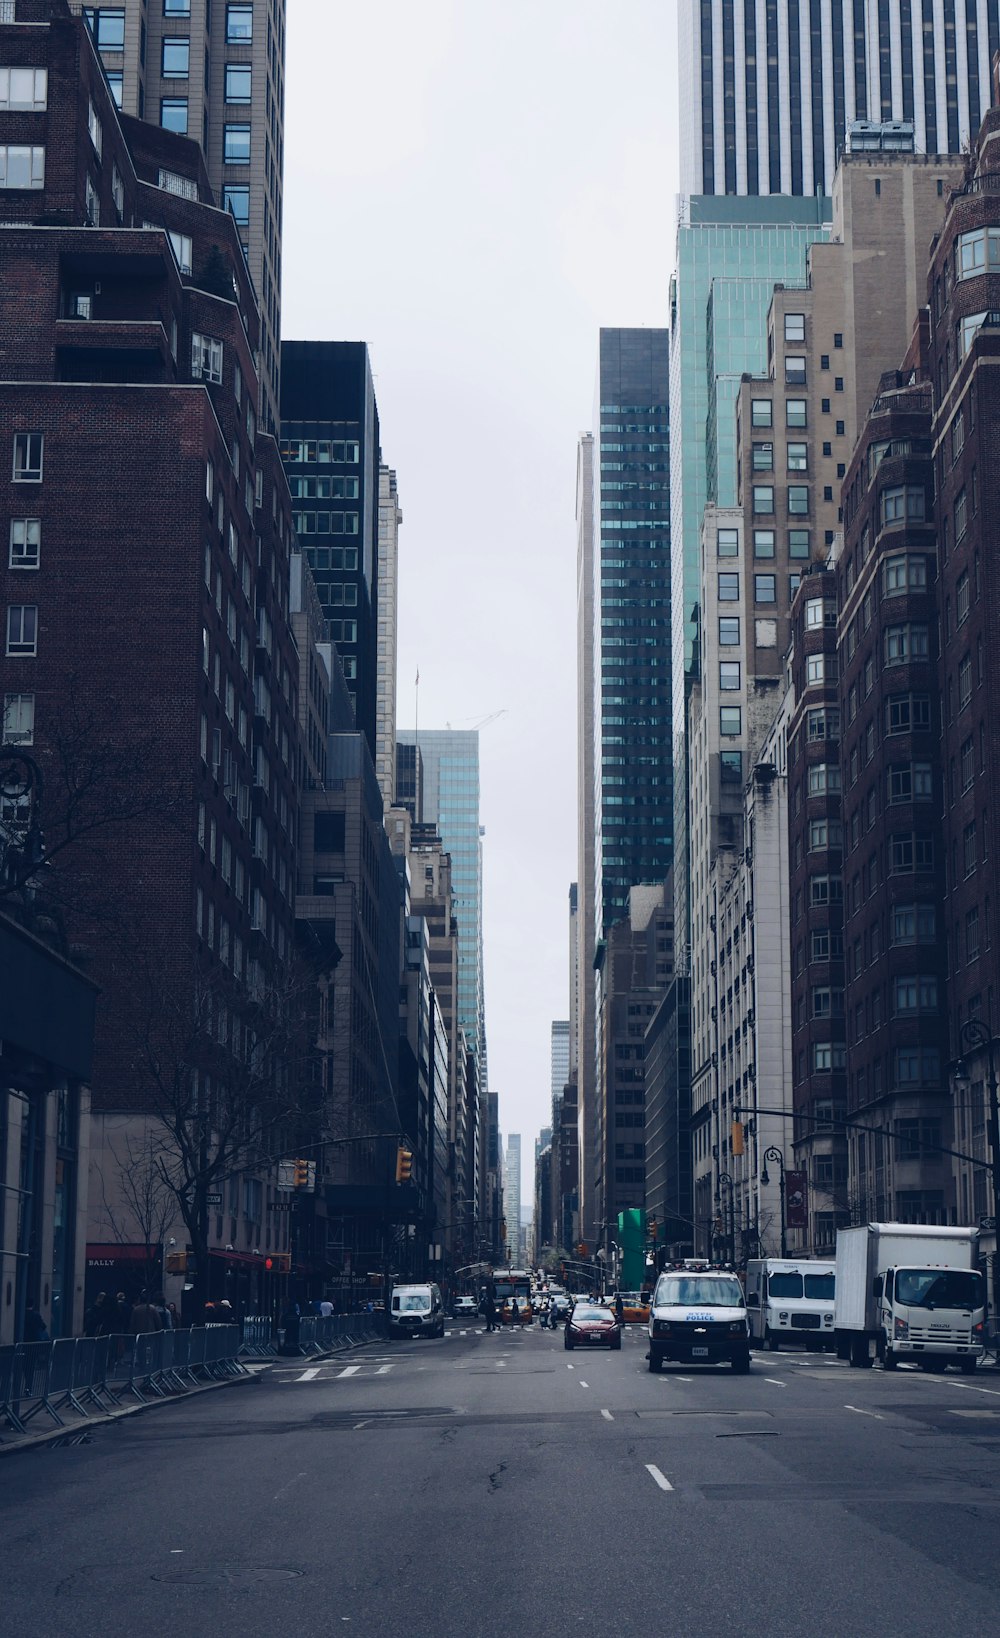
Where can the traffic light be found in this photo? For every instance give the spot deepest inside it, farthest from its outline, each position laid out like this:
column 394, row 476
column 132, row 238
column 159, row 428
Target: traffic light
column 737, row 1137
column 503, row 1230
column 177, row 1262
column 652, row 1229
column 278, row 1262
column 404, row 1165
column 302, row 1174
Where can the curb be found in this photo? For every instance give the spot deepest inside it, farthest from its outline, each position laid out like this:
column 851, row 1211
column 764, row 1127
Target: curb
column 37, row 1441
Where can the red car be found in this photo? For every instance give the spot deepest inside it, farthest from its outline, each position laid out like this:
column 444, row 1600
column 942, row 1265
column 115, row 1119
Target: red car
column 591, row 1327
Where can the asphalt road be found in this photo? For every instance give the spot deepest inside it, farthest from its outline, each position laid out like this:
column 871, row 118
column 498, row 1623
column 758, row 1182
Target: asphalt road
column 486, row 1485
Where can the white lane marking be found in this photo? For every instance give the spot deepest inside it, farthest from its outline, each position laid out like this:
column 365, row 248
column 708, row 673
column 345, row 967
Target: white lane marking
column 859, row 1412
column 584, row 1384
column 776, row 1383
column 685, row 1379
column 501, row 1363
column 279, row 1493
column 570, row 1367
column 607, row 1416
column 307, row 1376
column 349, row 1370
column 383, row 1370
column 661, row 1480
column 968, row 1387
column 358, row 1425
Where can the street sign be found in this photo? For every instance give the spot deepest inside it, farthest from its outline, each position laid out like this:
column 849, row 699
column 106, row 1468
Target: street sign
column 988, row 1225
column 213, row 1200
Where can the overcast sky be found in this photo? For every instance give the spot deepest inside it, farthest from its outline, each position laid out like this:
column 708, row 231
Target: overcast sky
column 474, row 189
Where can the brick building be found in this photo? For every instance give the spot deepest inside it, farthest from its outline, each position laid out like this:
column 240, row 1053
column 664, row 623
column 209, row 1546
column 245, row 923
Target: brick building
column 145, row 603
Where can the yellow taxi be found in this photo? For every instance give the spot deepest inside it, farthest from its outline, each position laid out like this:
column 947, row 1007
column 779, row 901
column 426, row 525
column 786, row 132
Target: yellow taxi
column 635, row 1307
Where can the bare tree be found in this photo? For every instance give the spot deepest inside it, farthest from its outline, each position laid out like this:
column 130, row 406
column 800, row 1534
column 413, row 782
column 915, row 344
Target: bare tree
column 139, row 1197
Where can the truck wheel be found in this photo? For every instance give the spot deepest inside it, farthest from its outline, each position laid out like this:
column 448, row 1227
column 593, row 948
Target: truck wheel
column 655, row 1362
column 860, row 1353
column 889, row 1360
column 741, row 1364
column 771, row 1342
column 842, row 1345
column 968, row 1366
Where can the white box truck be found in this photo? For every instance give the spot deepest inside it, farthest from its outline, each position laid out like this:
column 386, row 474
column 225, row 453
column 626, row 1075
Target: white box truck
column 907, row 1291
column 790, row 1299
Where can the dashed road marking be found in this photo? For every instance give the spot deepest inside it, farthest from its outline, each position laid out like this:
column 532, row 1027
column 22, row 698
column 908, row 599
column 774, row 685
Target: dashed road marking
column 658, row 1477
column 859, row 1412
column 584, row 1384
column 776, row 1383
column 570, row 1367
column 307, row 1376
column 607, row 1416
column 349, row 1370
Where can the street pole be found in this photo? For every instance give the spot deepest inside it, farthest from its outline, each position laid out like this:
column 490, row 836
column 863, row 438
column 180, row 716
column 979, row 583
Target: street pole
column 774, row 1154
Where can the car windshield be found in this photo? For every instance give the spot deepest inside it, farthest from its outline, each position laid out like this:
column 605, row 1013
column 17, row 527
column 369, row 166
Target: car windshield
column 786, row 1284
column 588, row 1311
column 939, row 1288
column 821, row 1286
column 698, row 1291
column 412, row 1302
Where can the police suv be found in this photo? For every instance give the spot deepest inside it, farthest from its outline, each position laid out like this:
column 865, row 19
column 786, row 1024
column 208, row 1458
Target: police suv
column 698, row 1316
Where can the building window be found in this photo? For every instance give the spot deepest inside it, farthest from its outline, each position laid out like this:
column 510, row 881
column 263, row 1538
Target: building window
column 795, row 369
column 913, row 924
column 795, row 327
column 183, row 248
column 731, row 767
column 795, row 412
column 24, row 88
column 765, row 588
column 901, row 644
column 824, row 833
column 823, row 778
column 798, row 457
column 237, row 202
column 798, row 542
column 19, row 719
column 729, row 630
column 763, row 457
column 28, row 454
column 238, row 82
column 22, row 629
column 174, row 114
column 798, row 500
column 965, row 682
column 727, row 541
column 763, row 543
column 820, row 669
column 729, row 588
column 907, row 713
column 236, row 144
column 206, row 358
column 760, row 412
column 176, row 59
column 904, row 573
column 976, row 252
column 730, row 721
column 118, row 190
column 21, row 167
column 917, row 1066
column 25, row 542
column 176, row 8
column 823, row 723
column 729, row 675
column 107, row 25
column 239, row 23
column 763, row 498
column 116, row 85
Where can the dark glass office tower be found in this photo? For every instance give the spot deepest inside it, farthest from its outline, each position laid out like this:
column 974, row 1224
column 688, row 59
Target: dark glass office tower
column 330, row 448
column 633, row 779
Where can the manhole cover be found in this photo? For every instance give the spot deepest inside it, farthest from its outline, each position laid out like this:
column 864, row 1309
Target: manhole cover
column 227, row 1573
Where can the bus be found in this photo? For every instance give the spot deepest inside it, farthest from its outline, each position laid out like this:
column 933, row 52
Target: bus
column 510, row 1283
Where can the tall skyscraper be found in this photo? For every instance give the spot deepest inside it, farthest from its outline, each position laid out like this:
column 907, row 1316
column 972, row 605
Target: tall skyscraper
column 512, row 1194
column 330, row 447
column 633, row 802
column 215, row 74
column 389, row 519
column 770, row 87
column 559, row 1057
column 449, row 760
column 586, row 830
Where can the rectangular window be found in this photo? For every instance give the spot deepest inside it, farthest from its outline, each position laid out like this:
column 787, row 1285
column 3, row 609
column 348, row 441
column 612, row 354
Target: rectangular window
column 729, row 630
column 24, row 88
column 28, row 452
column 116, row 85
column 19, row 719
column 729, row 588
column 795, row 412
column 237, row 201
column 760, row 412
column 239, row 23
column 174, row 114
column 22, row 629
column 176, row 57
column 183, row 248
column 798, row 457
column 729, row 675
column 25, row 542
column 795, row 327
column 238, row 82
column 765, row 588
column 763, row 457
column 763, row 542
column 823, row 777
column 731, row 767
column 730, row 721
column 176, row 8
column 206, row 358
column 798, row 500
column 798, row 543
column 727, row 542
column 904, row 503
column 107, row 24
column 22, row 167
column 795, row 369
column 763, row 498
column 236, row 144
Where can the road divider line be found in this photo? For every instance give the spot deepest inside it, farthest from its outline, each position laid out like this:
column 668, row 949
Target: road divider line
column 607, row 1416
column 584, row 1384
column 859, row 1412
column 775, row 1382
column 307, row 1376
column 685, row 1379
column 570, row 1367
column 658, row 1477
column 383, row 1370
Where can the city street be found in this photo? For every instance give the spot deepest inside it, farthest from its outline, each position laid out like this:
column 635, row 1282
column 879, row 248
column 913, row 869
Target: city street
column 487, row 1484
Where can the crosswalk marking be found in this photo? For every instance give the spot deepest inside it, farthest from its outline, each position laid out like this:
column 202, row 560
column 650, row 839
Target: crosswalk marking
column 307, row 1376
column 349, row 1370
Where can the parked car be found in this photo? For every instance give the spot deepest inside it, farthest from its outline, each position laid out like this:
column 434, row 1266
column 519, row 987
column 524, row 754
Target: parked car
column 591, row 1326
column 464, row 1308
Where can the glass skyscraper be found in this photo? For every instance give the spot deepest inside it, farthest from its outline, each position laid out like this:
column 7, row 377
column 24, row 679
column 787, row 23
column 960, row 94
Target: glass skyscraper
column 450, row 800
column 633, row 792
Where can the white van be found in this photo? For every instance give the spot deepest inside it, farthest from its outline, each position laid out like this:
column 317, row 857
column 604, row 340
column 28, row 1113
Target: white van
column 416, row 1311
column 699, row 1318
column 790, row 1299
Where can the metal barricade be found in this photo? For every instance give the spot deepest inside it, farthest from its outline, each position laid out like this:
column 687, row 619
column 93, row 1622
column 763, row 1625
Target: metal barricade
column 8, row 1411
column 148, row 1363
column 258, row 1337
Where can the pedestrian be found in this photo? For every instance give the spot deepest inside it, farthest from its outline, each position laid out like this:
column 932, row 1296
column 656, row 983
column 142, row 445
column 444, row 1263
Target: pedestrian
column 490, row 1309
column 145, row 1316
column 290, row 1326
column 122, row 1315
column 175, row 1318
column 35, row 1328
column 224, row 1314
column 514, row 1315
column 326, row 1308
column 97, row 1316
column 619, row 1307
column 166, row 1318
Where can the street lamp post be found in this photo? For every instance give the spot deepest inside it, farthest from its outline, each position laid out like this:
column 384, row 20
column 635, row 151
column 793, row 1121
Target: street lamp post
column 725, row 1178
column 775, row 1154
column 977, row 1035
